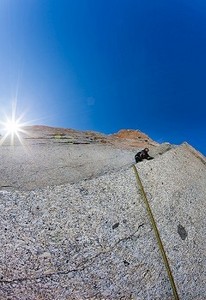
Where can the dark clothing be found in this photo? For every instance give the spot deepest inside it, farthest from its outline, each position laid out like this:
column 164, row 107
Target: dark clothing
column 142, row 155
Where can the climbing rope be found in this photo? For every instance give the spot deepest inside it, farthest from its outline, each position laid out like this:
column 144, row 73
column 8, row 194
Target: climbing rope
column 159, row 241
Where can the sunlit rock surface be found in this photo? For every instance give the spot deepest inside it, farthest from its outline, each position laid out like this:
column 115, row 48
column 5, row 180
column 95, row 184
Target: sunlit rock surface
column 54, row 156
column 74, row 224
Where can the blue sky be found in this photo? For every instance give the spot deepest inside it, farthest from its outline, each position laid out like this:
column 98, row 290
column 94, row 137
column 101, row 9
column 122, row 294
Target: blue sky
column 105, row 65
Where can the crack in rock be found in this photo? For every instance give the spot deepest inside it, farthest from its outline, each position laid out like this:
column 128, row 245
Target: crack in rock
column 80, row 267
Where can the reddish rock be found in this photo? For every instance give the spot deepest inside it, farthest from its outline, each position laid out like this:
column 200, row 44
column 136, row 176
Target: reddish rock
column 131, row 134
column 125, row 138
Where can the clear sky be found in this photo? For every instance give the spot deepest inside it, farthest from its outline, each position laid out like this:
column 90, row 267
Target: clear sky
column 105, row 65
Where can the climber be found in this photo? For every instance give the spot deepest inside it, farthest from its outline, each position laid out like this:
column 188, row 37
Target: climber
column 143, row 155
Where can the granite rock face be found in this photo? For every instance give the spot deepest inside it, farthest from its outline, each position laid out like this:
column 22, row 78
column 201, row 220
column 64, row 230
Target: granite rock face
column 53, row 156
column 128, row 139
column 91, row 238
column 39, row 165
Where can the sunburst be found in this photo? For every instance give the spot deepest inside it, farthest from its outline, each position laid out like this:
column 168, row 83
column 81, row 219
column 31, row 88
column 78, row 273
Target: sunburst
column 12, row 127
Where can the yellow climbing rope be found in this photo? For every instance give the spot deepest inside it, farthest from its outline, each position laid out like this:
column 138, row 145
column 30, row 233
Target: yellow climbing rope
column 159, row 241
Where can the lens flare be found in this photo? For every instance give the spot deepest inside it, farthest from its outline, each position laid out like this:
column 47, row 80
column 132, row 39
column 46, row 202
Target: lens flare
column 12, row 127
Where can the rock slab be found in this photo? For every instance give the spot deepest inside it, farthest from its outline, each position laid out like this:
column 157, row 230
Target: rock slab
column 92, row 239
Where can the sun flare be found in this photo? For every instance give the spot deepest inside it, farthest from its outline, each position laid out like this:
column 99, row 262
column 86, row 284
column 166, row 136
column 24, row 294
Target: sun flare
column 13, row 128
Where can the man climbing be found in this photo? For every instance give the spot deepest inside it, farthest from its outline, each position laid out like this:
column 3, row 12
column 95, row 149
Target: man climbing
column 143, row 155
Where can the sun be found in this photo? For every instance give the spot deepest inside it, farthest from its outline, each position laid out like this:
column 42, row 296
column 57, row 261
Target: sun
column 13, row 128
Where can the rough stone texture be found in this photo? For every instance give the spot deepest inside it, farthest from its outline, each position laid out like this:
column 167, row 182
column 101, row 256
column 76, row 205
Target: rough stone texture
column 92, row 239
column 38, row 165
column 54, row 156
column 65, row 236
column 176, row 185
column 123, row 139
